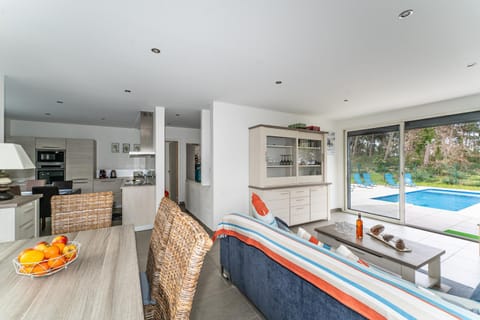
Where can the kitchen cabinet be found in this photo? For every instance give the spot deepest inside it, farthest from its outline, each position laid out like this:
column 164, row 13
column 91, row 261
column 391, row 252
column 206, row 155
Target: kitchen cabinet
column 80, row 163
column 138, row 206
column 114, row 185
column 296, row 204
column 50, row 143
column 19, row 218
column 283, row 156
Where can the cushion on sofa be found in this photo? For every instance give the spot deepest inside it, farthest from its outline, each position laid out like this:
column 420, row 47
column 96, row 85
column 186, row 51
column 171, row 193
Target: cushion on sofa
column 261, row 211
column 304, row 234
column 476, row 294
column 282, row 225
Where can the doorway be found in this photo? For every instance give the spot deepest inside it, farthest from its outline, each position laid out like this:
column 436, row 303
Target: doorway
column 171, row 169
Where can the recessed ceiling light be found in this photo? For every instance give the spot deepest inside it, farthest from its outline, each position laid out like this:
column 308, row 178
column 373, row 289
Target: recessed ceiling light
column 345, row 100
column 473, row 64
column 278, row 82
column 59, row 101
column 127, row 90
column 405, row 14
column 47, row 114
column 155, row 50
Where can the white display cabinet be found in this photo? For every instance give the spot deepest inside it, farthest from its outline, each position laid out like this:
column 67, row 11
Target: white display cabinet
column 282, row 156
column 287, row 170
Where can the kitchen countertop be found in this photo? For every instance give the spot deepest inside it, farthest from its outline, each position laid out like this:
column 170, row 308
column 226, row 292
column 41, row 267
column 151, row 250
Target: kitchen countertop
column 138, row 185
column 18, row 201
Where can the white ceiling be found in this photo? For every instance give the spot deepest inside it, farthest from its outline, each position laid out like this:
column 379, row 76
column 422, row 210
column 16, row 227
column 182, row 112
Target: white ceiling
column 86, row 53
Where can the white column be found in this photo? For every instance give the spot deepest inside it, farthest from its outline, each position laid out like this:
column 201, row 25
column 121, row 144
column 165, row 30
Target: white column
column 206, row 147
column 2, row 108
column 159, row 147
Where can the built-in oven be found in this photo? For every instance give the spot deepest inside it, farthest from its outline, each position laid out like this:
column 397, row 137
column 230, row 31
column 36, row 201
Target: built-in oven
column 51, row 165
column 50, row 156
column 51, row 175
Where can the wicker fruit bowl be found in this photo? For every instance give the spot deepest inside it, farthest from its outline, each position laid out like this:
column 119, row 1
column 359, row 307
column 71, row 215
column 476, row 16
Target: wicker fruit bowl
column 45, row 258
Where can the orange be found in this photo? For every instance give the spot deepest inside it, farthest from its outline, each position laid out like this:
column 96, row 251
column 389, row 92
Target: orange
column 22, row 252
column 56, row 262
column 31, row 256
column 26, row 269
column 51, row 252
column 40, row 269
column 60, row 245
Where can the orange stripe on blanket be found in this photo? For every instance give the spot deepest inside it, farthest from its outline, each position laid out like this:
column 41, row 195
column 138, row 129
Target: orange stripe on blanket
column 328, row 288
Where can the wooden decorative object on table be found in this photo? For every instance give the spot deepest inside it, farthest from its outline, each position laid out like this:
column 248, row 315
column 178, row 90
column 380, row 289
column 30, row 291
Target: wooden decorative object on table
column 78, row 212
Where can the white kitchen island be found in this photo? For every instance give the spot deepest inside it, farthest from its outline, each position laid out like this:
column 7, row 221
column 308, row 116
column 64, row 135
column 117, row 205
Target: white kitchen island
column 138, row 206
column 19, row 218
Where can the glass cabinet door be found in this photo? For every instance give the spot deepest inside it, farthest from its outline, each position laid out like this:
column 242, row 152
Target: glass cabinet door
column 280, row 157
column 310, row 157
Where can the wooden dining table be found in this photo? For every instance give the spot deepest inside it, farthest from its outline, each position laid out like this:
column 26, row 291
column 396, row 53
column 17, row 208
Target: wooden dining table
column 102, row 283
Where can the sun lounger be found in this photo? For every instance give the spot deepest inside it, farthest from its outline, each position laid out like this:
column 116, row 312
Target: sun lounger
column 358, row 180
column 390, row 181
column 368, row 180
column 409, row 181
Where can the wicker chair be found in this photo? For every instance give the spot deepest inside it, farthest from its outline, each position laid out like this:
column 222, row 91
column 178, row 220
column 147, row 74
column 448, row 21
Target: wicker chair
column 158, row 241
column 180, row 259
column 79, row 212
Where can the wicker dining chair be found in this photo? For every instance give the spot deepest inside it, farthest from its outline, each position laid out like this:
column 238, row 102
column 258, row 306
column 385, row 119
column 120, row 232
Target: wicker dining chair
column 179, row 267
column 79, row 212
column 158, row 241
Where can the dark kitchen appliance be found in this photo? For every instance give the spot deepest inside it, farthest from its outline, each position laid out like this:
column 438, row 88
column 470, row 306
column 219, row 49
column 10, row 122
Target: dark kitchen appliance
column 50, row 157
column 51, row 165
column 51, row 175
column 102, row 174
column 113, row 174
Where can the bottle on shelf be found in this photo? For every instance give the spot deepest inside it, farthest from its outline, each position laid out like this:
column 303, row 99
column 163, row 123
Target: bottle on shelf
column 359, row 227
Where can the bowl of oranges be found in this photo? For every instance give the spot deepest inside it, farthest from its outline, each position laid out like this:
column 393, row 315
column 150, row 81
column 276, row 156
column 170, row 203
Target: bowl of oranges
column 46, row 258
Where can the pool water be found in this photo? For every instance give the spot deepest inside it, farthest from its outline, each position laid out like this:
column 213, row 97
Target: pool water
column 450, row 200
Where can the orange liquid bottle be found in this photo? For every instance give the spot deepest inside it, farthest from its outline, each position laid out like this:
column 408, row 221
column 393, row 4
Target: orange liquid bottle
column 359, row 229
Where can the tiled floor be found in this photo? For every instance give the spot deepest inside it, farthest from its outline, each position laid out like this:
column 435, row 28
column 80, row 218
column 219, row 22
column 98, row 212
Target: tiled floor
column 216, row 298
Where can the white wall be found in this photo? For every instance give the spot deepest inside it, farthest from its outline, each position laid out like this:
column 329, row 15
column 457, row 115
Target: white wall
column 159, row 147
column 104, row 136
column 2, row 109
column 447, row 107
column 183, row 136
column 230, row 125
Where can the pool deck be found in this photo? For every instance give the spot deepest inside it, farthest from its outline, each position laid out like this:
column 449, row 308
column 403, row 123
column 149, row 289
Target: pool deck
column 464, row 220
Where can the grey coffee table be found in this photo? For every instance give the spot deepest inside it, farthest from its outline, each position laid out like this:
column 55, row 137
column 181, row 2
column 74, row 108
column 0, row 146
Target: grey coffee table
column 384, row 256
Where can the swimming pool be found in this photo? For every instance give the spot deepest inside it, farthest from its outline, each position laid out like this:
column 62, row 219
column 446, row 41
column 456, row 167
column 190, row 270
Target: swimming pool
column 451, row 200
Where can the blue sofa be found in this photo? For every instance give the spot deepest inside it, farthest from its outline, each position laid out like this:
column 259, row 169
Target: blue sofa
column 286, row 277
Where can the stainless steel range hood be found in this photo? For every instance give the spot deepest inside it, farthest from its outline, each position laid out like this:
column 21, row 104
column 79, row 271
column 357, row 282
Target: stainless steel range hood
column 146, row 136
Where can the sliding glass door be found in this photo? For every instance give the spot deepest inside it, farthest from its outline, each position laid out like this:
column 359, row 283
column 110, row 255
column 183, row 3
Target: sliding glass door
column 442, row 174
column 373, row 171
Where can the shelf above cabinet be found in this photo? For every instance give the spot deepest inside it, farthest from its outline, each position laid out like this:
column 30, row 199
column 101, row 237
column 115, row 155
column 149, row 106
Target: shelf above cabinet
column 280, row 166
column 278, row 146
column 310, row 148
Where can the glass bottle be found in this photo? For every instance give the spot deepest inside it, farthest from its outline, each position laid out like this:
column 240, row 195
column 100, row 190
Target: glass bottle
column 359, row 225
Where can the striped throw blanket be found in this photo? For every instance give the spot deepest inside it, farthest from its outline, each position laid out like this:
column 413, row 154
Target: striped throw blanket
column 368, row 291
